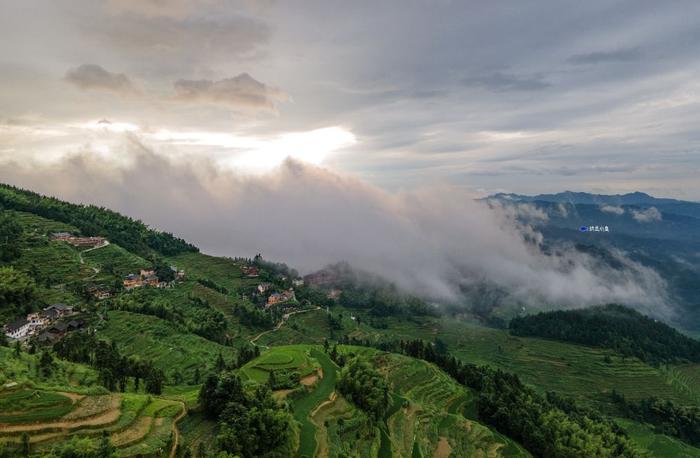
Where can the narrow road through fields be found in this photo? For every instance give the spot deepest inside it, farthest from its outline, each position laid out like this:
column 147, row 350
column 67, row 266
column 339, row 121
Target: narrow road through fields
column 82, row 260
column 80, row 253
column 284, row 319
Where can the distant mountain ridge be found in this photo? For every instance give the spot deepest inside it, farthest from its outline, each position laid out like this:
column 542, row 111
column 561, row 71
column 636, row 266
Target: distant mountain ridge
column 572, row 197
column 633, row 199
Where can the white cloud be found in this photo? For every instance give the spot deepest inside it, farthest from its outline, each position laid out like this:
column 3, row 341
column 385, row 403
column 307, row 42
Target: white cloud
column 646, row 216
column 435, row 241
column 612, row 209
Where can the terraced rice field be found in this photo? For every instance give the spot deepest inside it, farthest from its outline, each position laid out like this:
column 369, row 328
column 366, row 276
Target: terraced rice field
column 658, row 444
column 137, row 424
column 579, row 371
column 426, row 414
column 38, row 225
column 222, row 271
column 163, row 343
column 117, row 258
column 304, row 406
column 296, row 358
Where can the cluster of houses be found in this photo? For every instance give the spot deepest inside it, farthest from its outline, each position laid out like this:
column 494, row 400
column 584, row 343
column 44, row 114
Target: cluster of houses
column 48, row 325
column 80, row 242
column 275, row 297
column 148, row 277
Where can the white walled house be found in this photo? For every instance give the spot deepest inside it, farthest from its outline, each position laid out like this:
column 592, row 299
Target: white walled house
column 18, row 329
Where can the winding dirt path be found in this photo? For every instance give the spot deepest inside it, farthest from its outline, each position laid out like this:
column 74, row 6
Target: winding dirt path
column 284, row 319
column 82, row 261
column 176, row 432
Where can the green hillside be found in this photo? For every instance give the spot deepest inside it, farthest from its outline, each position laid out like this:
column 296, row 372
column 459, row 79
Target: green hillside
column 159, row 347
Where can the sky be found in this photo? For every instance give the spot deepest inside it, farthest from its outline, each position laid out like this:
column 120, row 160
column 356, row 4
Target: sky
column 323, row 131
column 597, row 96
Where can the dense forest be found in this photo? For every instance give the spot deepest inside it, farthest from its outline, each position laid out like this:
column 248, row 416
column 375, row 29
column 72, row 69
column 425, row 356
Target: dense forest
column 250, row 424
column 131, row 234
column 365, row 387
column 612, row 326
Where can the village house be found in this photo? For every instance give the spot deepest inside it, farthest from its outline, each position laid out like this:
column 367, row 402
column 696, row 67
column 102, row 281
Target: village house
column 250, row 271
column 132, row 281
column 37, row 321
column 58, row 330
column 334, row 294
column 18, row 329
column 263, row 287
column 179, row 274
column 61, row 309
column 151, row 280
column 99, row 292
column 62, row 236
column 86, row 242
column 298, row 282
column 278, row 298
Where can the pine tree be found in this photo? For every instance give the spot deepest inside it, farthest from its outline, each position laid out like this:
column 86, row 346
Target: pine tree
column 25, row 444
column 220, row 363
column 106, row 449
column 46, row 363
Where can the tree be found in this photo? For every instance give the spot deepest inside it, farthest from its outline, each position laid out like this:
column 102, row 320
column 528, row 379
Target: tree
column 18, row 349
column 10, row 232
column 46, row 363
column 365, row 387
column 17, row 290
column 106, row 449
column 25, row 444
column 197, row 376
column 220, row 363
column 154, row 381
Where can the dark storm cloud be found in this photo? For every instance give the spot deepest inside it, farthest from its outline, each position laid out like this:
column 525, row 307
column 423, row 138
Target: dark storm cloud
column 94, row 77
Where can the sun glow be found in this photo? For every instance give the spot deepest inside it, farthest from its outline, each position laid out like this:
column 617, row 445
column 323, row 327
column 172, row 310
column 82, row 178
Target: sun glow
column 257, row 154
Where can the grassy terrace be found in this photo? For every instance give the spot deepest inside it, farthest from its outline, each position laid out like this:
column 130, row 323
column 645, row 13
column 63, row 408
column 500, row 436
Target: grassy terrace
column 222, row 271
column 137, row 424
column 303, row 406
column 579, row 371
column 116, row 258
column 169, row 347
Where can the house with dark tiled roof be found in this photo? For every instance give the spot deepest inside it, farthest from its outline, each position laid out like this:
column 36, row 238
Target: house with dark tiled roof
column 61, row 309
column 18, row 329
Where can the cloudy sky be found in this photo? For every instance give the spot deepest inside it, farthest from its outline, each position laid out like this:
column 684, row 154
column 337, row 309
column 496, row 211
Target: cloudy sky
column 315, row 132
column 489, row 96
